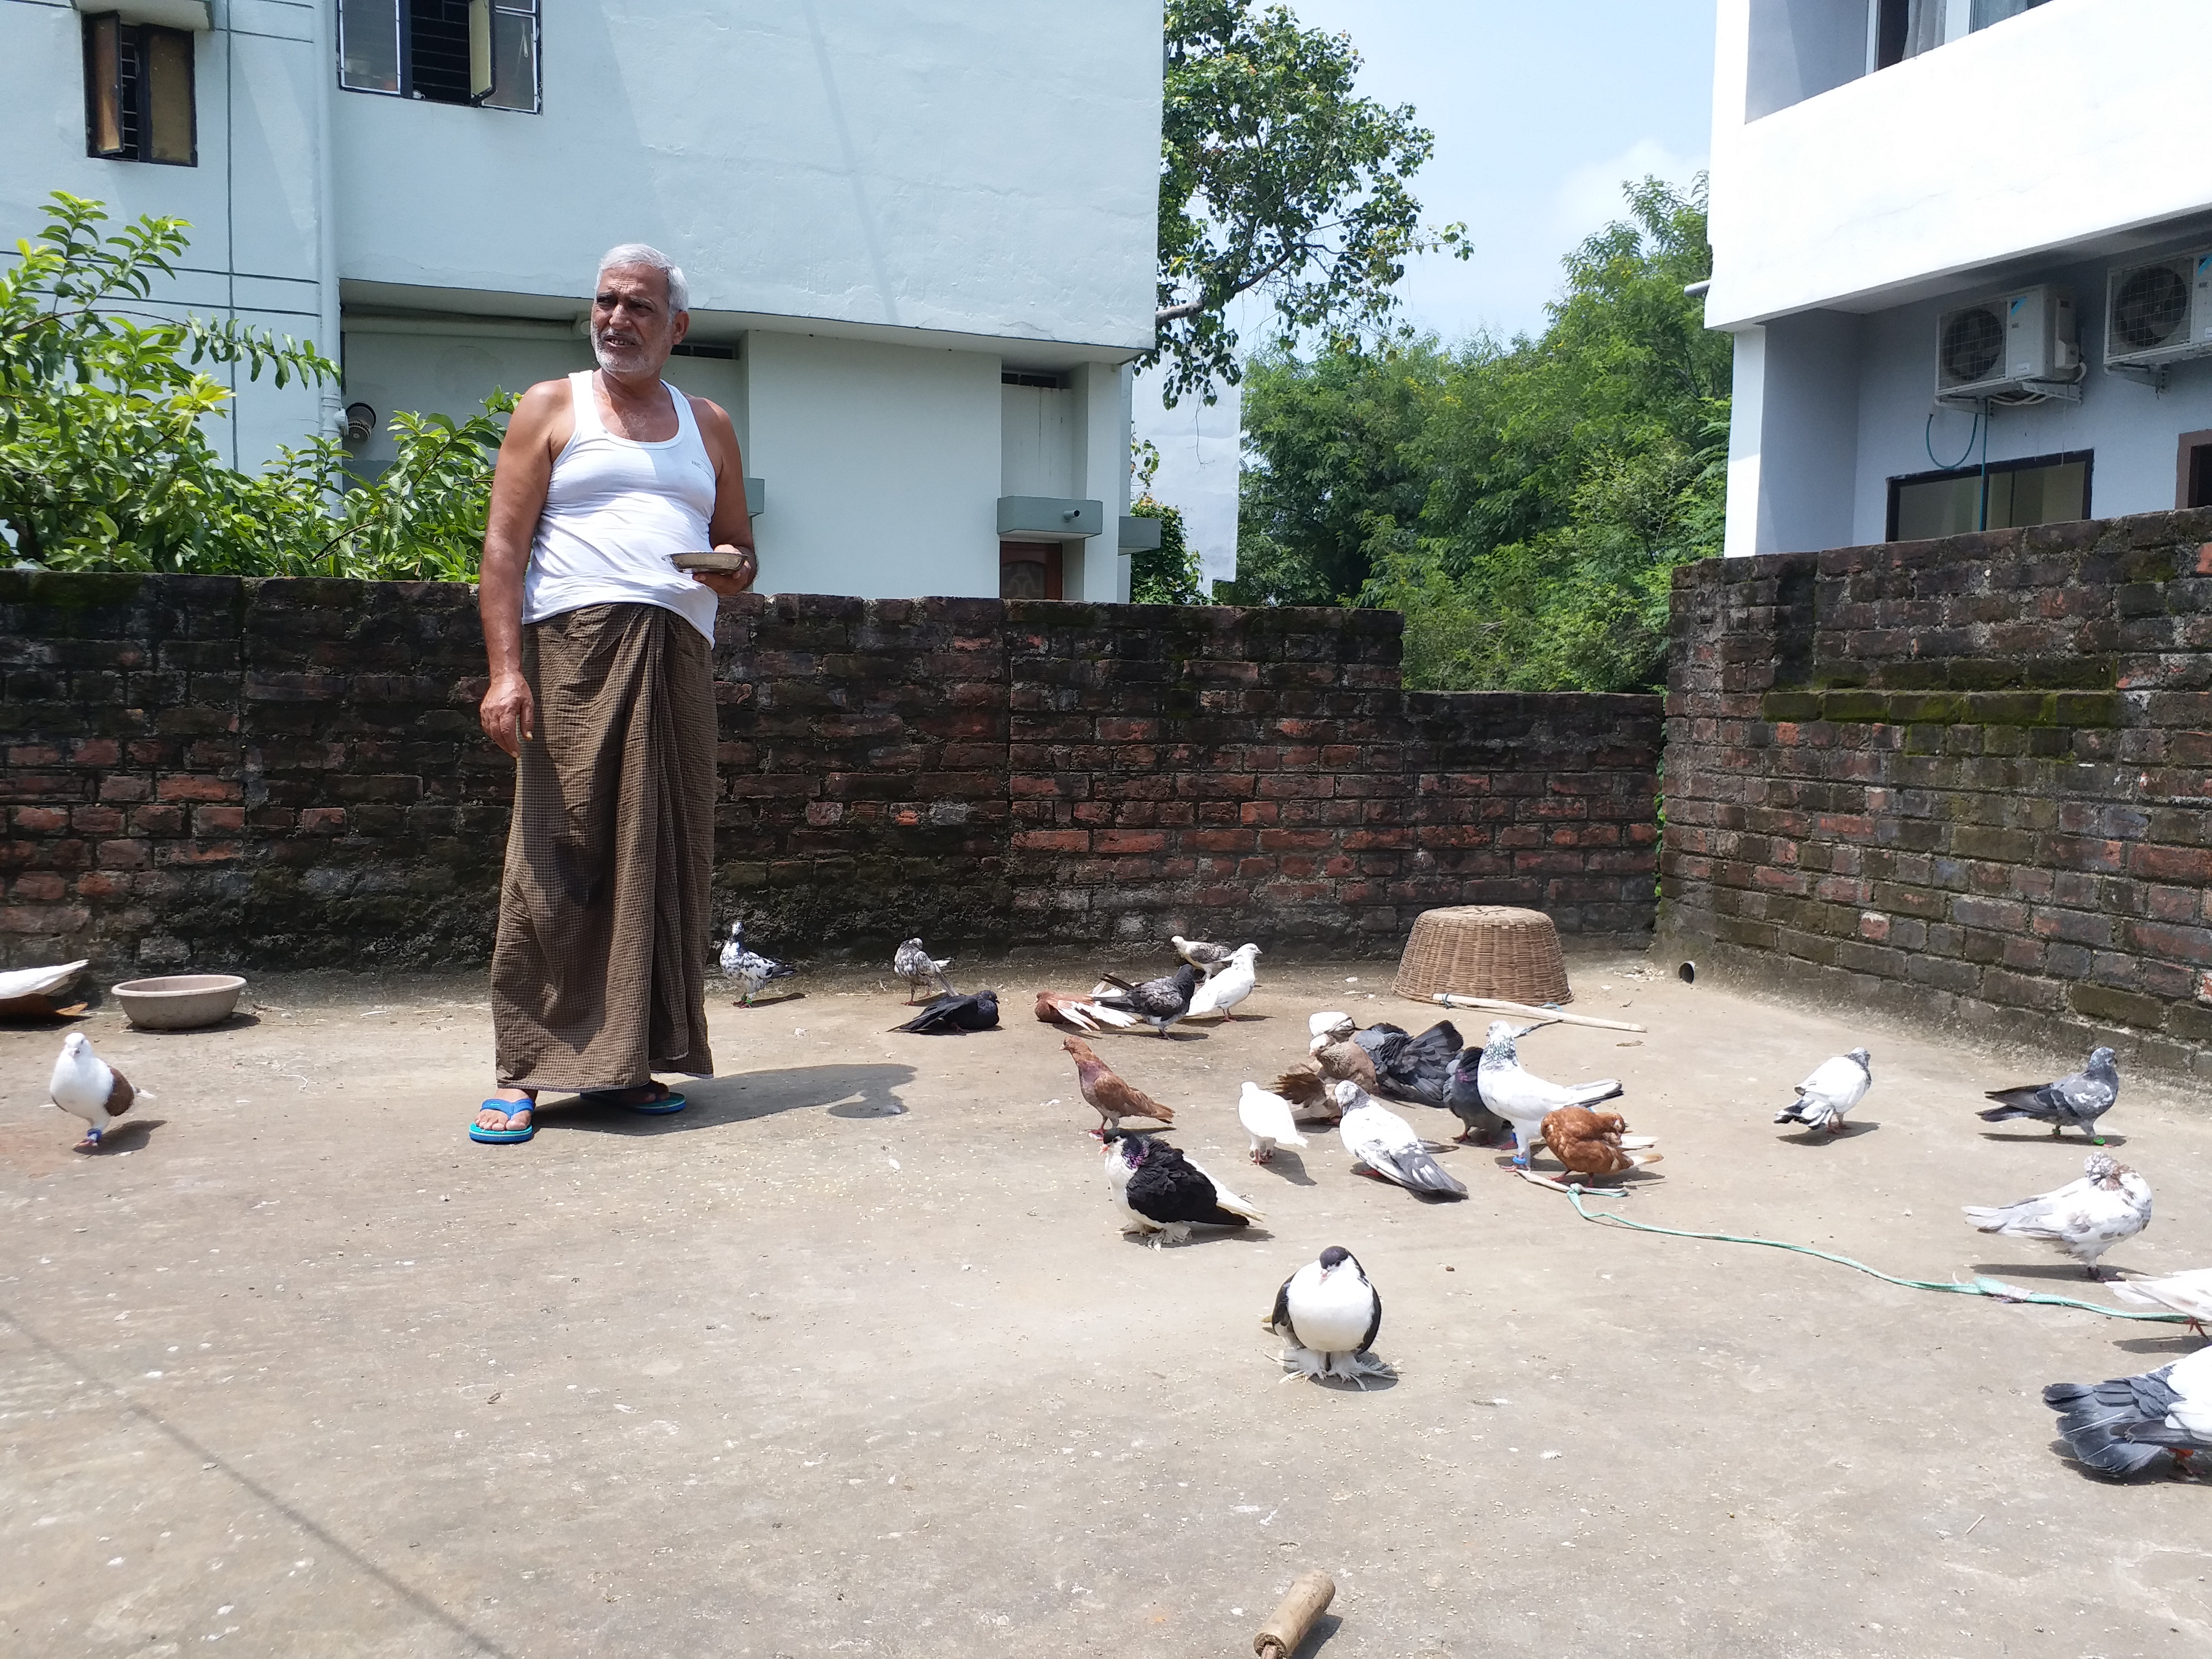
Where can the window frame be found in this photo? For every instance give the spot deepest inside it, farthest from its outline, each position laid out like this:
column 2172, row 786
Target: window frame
column 529, row 13
column 134, row 115
column 2088, row 458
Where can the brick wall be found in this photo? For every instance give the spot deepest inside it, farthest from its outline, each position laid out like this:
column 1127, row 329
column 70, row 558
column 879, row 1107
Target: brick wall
column 1970, row 777
column 214, row 772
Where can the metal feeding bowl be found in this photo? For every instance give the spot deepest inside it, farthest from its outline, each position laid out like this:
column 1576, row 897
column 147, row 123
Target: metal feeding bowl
column 179, row 1002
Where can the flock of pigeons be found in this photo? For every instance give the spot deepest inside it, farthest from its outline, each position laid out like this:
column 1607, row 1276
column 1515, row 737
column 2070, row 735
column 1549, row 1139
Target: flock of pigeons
column 1328, row 1313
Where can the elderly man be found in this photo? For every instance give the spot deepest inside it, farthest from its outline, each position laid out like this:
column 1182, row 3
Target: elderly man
column 602, row 688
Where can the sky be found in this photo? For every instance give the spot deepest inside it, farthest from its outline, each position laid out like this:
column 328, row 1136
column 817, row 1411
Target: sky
column 1542, row 109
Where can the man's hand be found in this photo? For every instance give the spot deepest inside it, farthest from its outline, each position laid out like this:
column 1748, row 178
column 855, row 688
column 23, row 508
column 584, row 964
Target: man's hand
column 731, row 583
column 508, row 711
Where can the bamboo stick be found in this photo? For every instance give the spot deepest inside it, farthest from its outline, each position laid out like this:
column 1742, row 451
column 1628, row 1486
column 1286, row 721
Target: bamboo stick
column 1493, row 1004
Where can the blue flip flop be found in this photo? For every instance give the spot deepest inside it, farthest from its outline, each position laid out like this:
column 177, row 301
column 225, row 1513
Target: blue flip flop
column 669, row 1101
column 505, row 1137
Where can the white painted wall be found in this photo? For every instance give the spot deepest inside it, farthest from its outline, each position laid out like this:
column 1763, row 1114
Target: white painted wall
column 2081, row 119
column 882, row 467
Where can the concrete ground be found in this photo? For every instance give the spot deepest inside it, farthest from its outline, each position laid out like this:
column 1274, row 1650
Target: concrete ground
column 851, row 1357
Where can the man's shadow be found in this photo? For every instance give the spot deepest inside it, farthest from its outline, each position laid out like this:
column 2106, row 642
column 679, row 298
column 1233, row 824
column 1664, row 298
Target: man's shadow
column 856, row 1090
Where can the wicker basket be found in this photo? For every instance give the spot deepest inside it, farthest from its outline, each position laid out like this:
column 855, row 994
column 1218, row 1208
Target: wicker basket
column 1484, row 950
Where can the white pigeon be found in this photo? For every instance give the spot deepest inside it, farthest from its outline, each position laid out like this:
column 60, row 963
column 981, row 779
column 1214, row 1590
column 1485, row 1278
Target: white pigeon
column 20, row 984
column 1328, row 1315
column 749, row 968
column 1268, row 1120
column 2188, row 1294
column 85, row 1085
column 1326, row 1029
column 1230, row 986
column 1384, row 1144
column 2084, row 1218
column 1834, row 1088
column 1521, row 1098
column 913, row 964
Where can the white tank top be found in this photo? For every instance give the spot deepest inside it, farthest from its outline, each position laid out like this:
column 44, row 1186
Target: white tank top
column 614, row 509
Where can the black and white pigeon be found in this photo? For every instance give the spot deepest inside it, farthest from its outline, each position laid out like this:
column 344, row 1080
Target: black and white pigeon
column 956, row 1012
column 1836, row 1086
column 1384, row 1144
column 84, row 1086
column 1201, row 954
column 1164, row 1194
column 1420, row 1069
column 749, row 968
column 1327, row 1314
column 913, row 964
column 2122, row 1426
column 2084, row 1218
column 2075, row 1101
column 1464, row 1097
column 1158, row 1002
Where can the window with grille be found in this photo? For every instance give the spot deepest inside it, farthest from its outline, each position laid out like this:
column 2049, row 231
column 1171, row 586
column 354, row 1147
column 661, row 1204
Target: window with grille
column 139, row 93
column 482, row 53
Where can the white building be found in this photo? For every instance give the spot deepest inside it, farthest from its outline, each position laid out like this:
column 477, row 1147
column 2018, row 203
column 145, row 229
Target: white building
column 1965, row 248
column 919, row 233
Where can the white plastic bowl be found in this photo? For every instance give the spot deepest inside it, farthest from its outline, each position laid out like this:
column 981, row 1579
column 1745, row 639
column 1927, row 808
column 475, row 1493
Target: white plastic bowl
column 179, row 1002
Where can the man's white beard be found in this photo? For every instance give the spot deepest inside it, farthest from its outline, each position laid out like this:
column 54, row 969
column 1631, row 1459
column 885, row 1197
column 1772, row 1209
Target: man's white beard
column 620, row 359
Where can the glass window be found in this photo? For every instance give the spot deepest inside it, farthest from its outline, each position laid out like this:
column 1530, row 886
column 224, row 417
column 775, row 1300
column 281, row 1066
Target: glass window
column 482, row 53
column 2008, row 495
column 368, row 45
column 139, row 92
column 513, row 56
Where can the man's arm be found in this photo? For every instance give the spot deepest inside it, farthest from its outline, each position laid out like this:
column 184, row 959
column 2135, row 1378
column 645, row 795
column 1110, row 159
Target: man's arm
column 731, row 527
column 518, row 496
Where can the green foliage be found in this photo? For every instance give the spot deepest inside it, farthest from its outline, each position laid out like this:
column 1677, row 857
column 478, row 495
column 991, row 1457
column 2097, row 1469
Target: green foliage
column 1276, row 179
column 1523, row 504
column 1170, row 574
column 104, row 459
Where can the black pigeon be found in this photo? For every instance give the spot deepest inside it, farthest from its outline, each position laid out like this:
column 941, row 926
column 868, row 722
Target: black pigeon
column 2122, row 1426
column 2077, row 1100
column 1420, row 1069
column 1463, row 1095
column 1165, row 1192
column 1382, row 1041
column 1158, row 1002
column 956, row 1012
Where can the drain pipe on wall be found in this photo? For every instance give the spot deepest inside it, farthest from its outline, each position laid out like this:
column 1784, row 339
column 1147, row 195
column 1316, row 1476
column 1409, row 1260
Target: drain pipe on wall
column 330, row 419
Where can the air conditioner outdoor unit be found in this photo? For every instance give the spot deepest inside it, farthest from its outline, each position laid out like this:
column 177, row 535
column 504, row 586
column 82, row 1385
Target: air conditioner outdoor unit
column 2011, row 348
column 2159, row 313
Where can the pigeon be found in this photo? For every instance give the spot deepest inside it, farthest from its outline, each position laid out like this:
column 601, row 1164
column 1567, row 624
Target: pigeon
column 1834, row 1088
column 1306, row 1085
column 1463, row 1095
column 1207, row 958
column 913, row 964
column 2079, row 1098
column 2084, row 1218
column 1382, row 1041
column 1268, row 1121
column 1328, row 1315
column 1420, row 1069
column 85, row 1085
column 1228, row 987
column 1165, row 1194
column 1594, row 1143
column 2188, row 1294
column 1055, row 1007
column 1327, row 1027
column 955, row 1013
column 1158, row 1002
column 749, row 968
column 39, row 993
column 1521, row 1098
column 2121, row 1427
column 1384, row 1144
column 1113, row 1099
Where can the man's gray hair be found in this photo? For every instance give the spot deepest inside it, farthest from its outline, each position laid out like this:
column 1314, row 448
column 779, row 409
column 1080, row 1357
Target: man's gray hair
column 643, row 253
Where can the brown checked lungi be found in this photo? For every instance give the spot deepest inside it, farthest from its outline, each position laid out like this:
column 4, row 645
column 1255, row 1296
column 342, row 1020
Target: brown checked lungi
column 599, row 977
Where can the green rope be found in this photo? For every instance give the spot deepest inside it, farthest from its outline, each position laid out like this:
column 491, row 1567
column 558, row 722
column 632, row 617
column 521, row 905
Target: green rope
column 1993, row 1288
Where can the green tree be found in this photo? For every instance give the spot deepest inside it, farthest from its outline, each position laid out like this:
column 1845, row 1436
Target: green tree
column 1275, row 179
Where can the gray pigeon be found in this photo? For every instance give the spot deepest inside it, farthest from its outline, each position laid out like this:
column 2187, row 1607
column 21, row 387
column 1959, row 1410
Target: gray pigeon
column 1158, row 1002
column 2084, row 1218
column 914, row 964
column 1204, row 955
column 2077, row 1100
column 1834, row 1088
column 2120, row 1427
